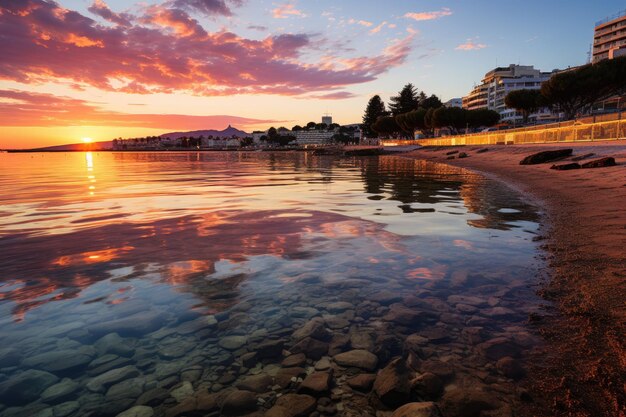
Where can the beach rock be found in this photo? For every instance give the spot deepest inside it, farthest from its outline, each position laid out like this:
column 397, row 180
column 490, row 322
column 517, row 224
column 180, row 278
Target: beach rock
column 482, row 150
column 599, row 163
column 256, row 383
column 278, row 411
column 249, row 359
column 128, row 389
column 137, row 411
column 270, row 349
column 239, row 402
column 316, row 384
column 232, row 342
column 510, row 368
column 387, row 346
column 311, row 347
column 153, row 397
column 286, row 376
column 392, row 383
column 134, row 325
column 463, row 155
column 60, row 391
column 323, row 364
column 202, row 403
column 405, row 316
column 452, row 152
column 297, row 359
column 429, row 385
column 545, row 156
column 105, row 380
column 385, row 297
column 362, row 340
column 298, row 405
column 338, row 306
column 357, row 358
column 182, row 391
column 9, row 357
column 59, row 362
column 443, row 370
column 362, row 382
column 314, row 328
column 304, row 312
column 566, row 167
column 422, row 409
column 498, row 348
column 114, row 344
column 467, row 402
column 65, row 409
column 25, row 387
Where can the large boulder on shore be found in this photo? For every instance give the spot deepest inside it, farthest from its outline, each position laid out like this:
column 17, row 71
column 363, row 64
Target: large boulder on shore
column 546, row 156
column 599, row 163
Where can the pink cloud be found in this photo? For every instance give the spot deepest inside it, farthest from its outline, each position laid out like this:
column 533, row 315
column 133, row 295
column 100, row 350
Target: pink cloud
column 339, row 95
column 419, row 16
column 166, row 51
column 285, row 10
column 378, row 28
column 21, row 108
column 470, row 45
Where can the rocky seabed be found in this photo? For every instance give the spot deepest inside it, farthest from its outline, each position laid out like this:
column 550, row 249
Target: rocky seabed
column 351, row 347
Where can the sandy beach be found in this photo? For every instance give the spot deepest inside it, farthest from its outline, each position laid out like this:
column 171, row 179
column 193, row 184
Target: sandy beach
column 581, row 372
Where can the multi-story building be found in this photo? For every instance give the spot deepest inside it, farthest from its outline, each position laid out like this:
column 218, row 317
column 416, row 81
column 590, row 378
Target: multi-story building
column 609, row 38
column 499, row 82
column 327, row 119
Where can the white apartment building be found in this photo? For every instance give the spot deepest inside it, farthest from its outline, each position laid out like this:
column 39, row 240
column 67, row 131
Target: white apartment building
column 313, row 137
column 499, row 82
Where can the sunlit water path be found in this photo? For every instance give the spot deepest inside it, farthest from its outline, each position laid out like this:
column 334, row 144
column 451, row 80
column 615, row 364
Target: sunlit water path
column 169, row 280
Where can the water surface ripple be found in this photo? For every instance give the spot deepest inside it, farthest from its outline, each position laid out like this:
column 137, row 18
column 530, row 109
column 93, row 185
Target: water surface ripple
column 208, row 283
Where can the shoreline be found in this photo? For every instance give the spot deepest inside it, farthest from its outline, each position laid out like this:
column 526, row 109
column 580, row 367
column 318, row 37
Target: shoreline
column 580, row 371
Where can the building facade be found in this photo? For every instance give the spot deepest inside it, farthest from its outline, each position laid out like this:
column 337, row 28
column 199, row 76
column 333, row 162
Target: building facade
column 328, row 120
column 609, row 38
column 499, row 82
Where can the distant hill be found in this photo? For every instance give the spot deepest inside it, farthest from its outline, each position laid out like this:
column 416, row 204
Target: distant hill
column 226, row 133
column 93, row 146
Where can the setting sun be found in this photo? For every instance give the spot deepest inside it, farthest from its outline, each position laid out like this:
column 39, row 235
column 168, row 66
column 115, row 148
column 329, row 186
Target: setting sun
column 87, row 140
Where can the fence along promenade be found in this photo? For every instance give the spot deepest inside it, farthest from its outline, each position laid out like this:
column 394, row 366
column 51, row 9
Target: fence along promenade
column 599, row 127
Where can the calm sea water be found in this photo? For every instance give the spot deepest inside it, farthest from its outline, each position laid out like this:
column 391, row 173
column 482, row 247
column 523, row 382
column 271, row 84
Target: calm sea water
column 159, row 279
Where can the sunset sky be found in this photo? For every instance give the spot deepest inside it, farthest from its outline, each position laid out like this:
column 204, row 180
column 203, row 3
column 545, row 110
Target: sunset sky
column 110, row 68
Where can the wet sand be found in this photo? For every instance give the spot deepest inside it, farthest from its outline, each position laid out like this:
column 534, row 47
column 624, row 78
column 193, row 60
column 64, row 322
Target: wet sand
column 581, row 372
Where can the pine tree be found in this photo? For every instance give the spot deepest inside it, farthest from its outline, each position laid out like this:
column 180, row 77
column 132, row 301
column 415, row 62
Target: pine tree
column 407, row 100
column 375, row 109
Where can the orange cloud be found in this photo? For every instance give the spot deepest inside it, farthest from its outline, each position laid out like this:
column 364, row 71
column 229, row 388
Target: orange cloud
column 285, row 10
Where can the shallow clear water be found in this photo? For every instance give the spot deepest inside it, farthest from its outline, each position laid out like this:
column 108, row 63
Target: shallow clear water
column 173, row 267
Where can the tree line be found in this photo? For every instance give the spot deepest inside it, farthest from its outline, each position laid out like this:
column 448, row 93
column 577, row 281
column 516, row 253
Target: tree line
column 411, row 110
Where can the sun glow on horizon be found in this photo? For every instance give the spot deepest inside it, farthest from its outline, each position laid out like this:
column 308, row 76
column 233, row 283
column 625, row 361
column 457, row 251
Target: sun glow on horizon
column 87, row 140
